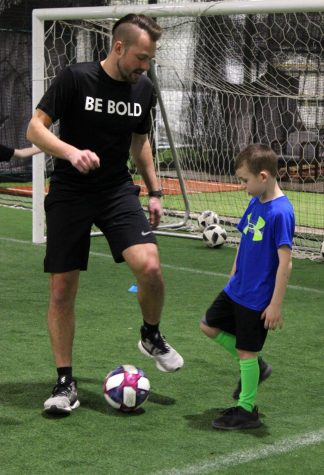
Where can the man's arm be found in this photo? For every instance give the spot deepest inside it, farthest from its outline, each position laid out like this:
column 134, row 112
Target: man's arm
column 25, row 152
column 38, row 133
column 272, row 315
column 142, row 155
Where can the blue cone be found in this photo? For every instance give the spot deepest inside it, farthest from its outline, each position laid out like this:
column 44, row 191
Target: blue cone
column 133, row 289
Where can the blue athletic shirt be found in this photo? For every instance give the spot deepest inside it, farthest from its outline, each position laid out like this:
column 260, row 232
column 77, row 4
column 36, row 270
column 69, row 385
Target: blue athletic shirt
column 265, row 227
column 97, row 113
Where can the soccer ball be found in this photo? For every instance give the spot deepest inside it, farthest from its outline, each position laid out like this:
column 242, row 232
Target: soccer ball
column 322, row 250
column 126, row 388
column 206, row 218
column 214, row 235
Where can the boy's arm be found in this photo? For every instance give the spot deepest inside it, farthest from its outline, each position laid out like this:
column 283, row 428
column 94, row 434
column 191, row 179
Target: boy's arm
column 234, row 263
column 272, row 314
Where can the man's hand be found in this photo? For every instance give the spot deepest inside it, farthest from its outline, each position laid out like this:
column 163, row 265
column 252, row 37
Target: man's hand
column 155, row 211
column 84, row 160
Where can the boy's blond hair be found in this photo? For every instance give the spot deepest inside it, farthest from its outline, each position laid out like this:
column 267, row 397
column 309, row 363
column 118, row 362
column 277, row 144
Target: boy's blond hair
column 258, row 157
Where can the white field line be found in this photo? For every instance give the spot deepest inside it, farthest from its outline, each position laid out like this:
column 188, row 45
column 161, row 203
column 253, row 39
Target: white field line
column 213, row 274
column 18, row 241
column 280, row 447
column 176, row 268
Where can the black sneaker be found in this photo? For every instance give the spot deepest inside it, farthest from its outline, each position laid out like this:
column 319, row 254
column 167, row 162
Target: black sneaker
column 265, row 372
column 236, row 418
column 166, row 358
column 64, row 397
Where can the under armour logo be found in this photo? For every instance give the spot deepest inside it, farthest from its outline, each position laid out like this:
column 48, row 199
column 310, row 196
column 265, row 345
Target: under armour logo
column 256, row 228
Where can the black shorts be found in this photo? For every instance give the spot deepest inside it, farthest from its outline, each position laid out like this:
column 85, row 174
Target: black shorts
column 70, row 215
column 244, row 323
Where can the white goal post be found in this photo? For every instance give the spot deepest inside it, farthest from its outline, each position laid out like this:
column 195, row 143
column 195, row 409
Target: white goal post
column 227, row 73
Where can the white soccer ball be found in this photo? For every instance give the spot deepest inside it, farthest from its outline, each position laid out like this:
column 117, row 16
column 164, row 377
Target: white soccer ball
column 322, row 250
column 207, row 218
column 214, row 235
column 126, row 388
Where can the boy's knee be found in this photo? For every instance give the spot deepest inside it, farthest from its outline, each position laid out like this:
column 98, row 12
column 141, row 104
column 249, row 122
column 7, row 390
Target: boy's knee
column 209, row 331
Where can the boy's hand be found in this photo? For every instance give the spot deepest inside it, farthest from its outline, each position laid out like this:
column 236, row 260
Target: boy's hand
column 272, row 317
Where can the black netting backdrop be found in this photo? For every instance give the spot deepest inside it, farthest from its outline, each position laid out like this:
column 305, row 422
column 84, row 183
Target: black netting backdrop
column 262, row 106
column 16, row 81
column 15, row 75
column 15, row 98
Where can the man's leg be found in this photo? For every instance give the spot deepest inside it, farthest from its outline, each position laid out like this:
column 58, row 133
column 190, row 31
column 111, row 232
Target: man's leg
column 144, row 261
column 61, row 326
column 61, row 318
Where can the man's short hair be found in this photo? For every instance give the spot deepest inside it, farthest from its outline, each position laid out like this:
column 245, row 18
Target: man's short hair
column 121, row 30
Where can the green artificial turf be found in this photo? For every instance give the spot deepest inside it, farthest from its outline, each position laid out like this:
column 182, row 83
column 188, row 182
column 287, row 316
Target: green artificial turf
column 172, row 434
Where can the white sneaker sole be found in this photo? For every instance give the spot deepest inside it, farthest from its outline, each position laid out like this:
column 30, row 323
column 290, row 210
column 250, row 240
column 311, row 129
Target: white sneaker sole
column 158, row 363
column 56, row 409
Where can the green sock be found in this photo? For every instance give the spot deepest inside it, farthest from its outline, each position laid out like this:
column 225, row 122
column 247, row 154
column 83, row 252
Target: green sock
column 249, row 379
column 227, row 341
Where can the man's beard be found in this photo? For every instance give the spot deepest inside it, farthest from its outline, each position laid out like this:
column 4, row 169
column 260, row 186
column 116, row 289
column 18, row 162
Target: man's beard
column 128, row 76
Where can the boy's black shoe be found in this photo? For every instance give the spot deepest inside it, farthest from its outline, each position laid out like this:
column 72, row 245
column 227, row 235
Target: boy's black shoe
column 236, row 418
column 265, row 372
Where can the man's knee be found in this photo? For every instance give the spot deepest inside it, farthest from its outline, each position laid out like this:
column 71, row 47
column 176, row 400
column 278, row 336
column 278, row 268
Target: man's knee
column 64, row 286
column 145, row 263
column 152, row 268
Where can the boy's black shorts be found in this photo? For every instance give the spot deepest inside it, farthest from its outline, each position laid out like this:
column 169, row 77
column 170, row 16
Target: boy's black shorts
column 70, row 215
column 244, row 323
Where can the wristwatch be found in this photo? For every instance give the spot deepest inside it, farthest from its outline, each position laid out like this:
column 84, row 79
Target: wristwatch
column 155, row 194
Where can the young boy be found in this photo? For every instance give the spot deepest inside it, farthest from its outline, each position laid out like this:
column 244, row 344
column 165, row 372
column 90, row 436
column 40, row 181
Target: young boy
column 250, row 304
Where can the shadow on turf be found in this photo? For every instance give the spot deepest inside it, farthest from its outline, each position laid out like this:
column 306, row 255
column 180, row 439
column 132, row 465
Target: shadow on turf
column 203, row 422
column 10, row 421
column 160, row 399
column 32, row 396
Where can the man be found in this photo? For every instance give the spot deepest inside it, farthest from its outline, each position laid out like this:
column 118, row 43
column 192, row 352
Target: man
column 104, row 112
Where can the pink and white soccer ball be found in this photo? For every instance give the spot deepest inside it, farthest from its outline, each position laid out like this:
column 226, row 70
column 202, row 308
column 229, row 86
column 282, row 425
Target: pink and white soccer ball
column 126, row 388
column 214, row 235
column 206, row 218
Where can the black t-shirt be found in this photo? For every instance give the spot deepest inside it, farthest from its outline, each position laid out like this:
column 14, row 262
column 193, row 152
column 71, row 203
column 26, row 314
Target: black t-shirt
column 98, row 113
column 6, row 153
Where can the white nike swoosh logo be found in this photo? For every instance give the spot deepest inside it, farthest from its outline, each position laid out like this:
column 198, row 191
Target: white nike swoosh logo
column 146, row 233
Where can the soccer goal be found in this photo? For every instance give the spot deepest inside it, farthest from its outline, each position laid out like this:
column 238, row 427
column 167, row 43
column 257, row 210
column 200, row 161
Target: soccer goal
column 227, row 74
